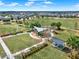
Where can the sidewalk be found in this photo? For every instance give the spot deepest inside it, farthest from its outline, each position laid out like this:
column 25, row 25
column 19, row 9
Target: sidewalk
column 6, row 49
column 35, row 37
column 15, row 35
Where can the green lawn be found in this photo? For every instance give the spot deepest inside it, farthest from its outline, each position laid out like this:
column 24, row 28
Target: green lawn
column 48, row 53
column 2, row 54
column 9, row 28
column 68, row 23
column 52, row 53
column 65, row 35
column 20, row 42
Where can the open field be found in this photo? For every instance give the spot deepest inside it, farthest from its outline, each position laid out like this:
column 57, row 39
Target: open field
column 20, row 42
column 68, row 22
column 65, row 35
column 48, row 53
column 52, row 53
column 9, row 28
column 2, row 54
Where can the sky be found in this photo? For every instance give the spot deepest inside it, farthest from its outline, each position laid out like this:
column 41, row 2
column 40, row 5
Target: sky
column 39, row 5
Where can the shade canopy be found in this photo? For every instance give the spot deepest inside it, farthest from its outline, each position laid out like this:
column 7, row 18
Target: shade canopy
column 57, row 41
column 39, row 29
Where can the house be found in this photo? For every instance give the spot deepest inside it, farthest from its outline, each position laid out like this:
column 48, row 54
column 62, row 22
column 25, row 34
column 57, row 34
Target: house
column 56, row 42
column 5, row 19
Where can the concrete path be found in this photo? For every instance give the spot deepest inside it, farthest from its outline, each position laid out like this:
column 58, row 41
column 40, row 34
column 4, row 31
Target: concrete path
column 15, row 35
column 6, row 49
column 0, row 57
column 35, row 37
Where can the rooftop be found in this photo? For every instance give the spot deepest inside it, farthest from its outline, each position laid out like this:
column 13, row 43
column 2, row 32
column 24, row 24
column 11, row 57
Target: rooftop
column 58, row 41
column 39, row 29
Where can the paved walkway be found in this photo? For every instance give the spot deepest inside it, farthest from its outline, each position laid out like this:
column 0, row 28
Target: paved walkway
column 0, row 57
column 6, row 49
column 35, row 37
column 15, row 35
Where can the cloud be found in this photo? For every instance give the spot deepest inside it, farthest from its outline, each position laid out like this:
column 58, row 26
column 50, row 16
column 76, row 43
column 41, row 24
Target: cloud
column 12, row 4
column 9, row 4
column 29, row 3
column 36, row 0
column 2, row 3
column 32, row 0
column 76, row 5
column 48, row 2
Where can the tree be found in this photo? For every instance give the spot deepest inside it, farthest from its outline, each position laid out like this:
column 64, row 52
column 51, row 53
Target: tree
column 37, row 24
column 58, row 24
column 40, row 33
column 53, row 25
column 73, row 42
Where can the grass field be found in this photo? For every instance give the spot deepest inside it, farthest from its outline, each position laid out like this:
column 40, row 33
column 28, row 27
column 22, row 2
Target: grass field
column 2, row 54
column 52, row 53
column 9, row 28
column 65, row 35
column 48, row 53
column 68, row 22
column 20, row 42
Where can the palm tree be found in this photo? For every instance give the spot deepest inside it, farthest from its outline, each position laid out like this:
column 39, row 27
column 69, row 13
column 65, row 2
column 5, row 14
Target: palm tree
column 73, row 43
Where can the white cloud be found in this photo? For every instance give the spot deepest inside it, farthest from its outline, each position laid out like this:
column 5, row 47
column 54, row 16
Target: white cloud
column 29, row 3
column 36, row 0
column 48, row 2
column 32, row 0
column 12, row 4
column 2, row 3
column 9, row 4
column 76, row 5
